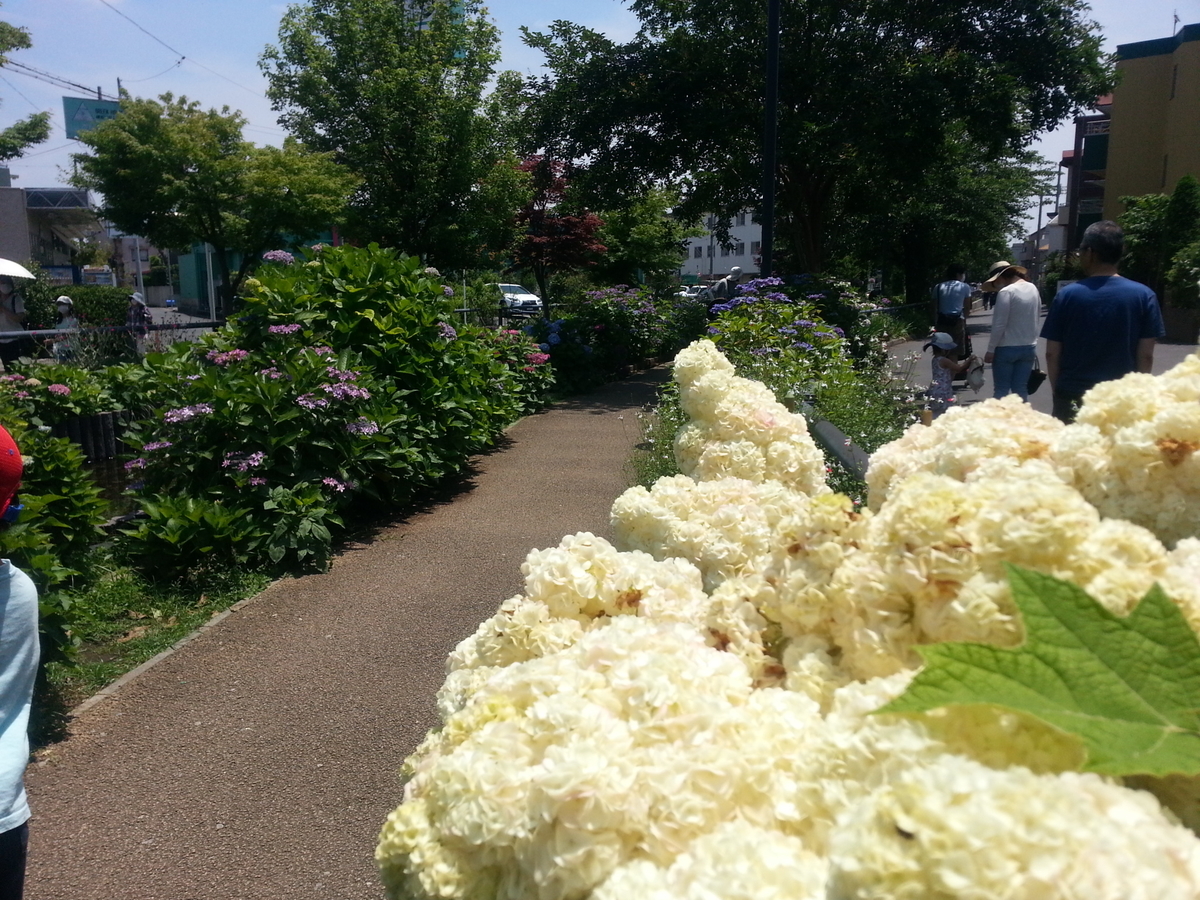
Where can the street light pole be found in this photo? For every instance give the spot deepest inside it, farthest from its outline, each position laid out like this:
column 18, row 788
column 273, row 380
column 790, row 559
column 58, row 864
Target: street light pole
column 770, row 138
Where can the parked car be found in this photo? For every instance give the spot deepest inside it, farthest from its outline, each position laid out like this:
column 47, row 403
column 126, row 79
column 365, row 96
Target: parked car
column 691, row 290
column 519, row 301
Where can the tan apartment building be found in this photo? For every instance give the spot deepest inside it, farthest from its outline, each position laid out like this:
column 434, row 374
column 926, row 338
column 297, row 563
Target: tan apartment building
column 1142, row 138
column 1154, row 137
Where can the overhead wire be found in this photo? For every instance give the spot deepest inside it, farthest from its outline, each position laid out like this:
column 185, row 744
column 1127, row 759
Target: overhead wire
column 50, row 78
column 182, row 56
column 173, row 65
column 19, row 94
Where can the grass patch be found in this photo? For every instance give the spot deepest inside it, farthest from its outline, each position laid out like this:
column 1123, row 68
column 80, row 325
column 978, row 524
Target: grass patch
column 124, row 620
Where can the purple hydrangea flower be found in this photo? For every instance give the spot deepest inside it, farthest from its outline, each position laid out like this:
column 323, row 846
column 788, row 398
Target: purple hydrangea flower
column 243, row 463
column 447, row 331
column 279, row 256
column 273, row 373
column 60, row 389
column 255, row 482
column 340, row 374
column 339, row 486
column 156, row 445
column 362, row 425
column 187, row 412
column 284, row 329
column 346, row 392
column 138, row 463
column 308, row 401
column 229, row 356
column 447, row 290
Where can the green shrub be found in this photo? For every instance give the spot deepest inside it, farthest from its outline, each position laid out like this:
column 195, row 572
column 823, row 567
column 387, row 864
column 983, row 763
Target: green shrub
column 601, row 335
column 1183, row 279
column 61, row 521
column 341, row 383
column 50, row 394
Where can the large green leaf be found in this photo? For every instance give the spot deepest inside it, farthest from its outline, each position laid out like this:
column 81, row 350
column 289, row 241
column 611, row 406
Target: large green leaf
column 1129, row 687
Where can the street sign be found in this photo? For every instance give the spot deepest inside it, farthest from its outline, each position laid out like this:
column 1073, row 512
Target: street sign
column 82, row 114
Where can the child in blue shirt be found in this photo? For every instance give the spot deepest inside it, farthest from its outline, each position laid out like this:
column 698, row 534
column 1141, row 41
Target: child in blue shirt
column 18, row 669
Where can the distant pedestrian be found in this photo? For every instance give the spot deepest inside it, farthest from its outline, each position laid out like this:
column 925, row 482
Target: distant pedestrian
column 726, row 288
column 12, row 318
column 951, row 296
column 18, row 669
column 64, row 345
column 945, row 369
column 1100, row 328
column 137, row 320
column 1013, row 347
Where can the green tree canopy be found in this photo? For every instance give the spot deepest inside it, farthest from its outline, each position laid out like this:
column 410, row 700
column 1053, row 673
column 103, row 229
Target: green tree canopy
column 395, row 91
column 177, row 174
column 18, row 137
column 1157, row 227
column 644, row 241
column 871, row 93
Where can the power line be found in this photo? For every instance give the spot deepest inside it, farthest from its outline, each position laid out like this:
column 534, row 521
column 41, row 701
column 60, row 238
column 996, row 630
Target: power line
column 181, row 56
column 18, row 90
column 49, row 78
column 140, row 28
column 173, row 65
column 44, row 152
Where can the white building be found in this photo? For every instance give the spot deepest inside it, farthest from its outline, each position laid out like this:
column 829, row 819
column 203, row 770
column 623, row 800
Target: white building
column 708, row 260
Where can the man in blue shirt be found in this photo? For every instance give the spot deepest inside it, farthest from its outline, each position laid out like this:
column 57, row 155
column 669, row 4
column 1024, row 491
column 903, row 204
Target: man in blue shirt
column 950, row 296
column 1100, row 328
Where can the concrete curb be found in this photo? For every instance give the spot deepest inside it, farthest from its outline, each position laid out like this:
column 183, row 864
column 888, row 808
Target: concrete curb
column 110, row 689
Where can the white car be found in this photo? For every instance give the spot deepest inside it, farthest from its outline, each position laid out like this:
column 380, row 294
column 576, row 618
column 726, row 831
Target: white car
column 519, row 301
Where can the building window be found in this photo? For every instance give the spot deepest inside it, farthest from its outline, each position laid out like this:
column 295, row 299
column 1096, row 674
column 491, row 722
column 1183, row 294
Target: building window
column 740, row 249
column 1174, row 81
column 697, row 252
column 741, row 218
column 724, row 250
column 710, row 251
column 755, row 248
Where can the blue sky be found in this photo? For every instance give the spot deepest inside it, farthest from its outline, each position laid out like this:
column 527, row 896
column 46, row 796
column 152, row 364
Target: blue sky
column 86, row 42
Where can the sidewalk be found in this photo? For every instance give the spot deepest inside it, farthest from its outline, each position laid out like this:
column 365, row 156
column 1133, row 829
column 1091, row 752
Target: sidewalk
column 979, row 327
column 261, row 759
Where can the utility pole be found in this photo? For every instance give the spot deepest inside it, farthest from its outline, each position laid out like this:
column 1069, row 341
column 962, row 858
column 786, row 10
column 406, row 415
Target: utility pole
column 770, row 138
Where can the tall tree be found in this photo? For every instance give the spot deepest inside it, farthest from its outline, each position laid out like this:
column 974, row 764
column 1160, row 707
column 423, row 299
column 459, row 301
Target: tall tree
column 34, row 129
column 870, row 92
column 178, row 174
column 395, row 91
column 644, row 240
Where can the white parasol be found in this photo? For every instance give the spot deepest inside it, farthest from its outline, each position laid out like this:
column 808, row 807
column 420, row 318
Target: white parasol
column 14, row 270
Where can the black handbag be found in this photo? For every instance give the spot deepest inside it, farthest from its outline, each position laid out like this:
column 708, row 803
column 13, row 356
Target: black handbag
column 1036, row 377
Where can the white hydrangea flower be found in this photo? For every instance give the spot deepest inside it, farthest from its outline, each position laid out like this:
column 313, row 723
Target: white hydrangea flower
column 955, row 828
column 736, row 861
column 932, row 565
column 956, row 445
column 693, row 715
column 739, row 429
column 1132, row 450
column 725, row 527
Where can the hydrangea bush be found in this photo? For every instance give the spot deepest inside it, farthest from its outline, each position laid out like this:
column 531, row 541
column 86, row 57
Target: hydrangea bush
column 607, row 331
column 342, row 384
column 690, row 713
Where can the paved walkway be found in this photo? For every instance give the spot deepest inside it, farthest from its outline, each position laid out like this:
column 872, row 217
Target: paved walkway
column 260, row 760
column 979, row 326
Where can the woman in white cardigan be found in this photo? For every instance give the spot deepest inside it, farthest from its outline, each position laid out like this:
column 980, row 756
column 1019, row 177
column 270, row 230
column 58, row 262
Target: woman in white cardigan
column 1012, row 351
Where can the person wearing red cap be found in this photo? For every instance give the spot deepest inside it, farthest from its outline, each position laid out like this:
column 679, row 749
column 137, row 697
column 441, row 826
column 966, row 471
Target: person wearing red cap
column 18, row 669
